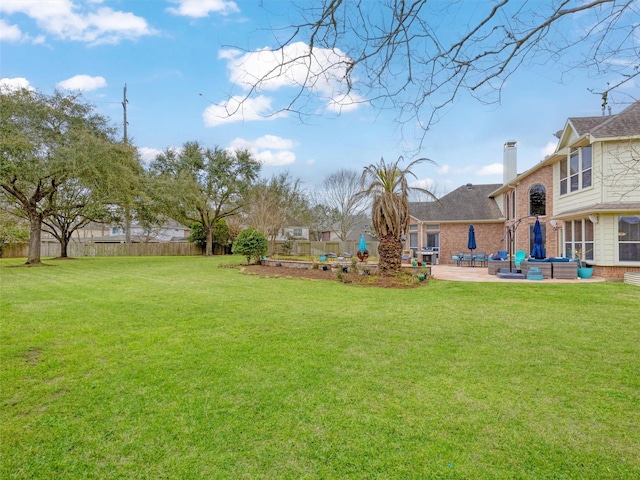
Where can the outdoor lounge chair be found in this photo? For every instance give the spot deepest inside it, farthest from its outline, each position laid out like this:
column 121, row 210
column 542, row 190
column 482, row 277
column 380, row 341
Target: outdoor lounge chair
column 495, row 265
column 564, row 268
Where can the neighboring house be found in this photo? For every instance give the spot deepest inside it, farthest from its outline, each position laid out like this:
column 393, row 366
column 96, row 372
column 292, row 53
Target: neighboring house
column 294, row 233
column 169, row 231
column 361, row 227
column 444, row 226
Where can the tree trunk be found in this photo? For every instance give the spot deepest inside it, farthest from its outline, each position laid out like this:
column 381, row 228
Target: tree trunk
column 390, row 252
column 64, row 244
column 127, row 225
column 35, row 226
column 208, row 249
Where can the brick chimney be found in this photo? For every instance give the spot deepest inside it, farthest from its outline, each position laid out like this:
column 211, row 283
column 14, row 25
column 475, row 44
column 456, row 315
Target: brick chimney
column 509, row 161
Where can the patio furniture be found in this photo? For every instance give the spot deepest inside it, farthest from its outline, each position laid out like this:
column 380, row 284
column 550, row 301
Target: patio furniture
column 520, row 256
column 495, row 265
column 503, row 254
column 534, row 273
column 466, row 257
column 455, row 258
column 544, row 266
column 480, row 258
column 564, row 268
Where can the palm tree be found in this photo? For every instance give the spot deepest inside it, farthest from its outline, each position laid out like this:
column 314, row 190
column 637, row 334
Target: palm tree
column 388, row 188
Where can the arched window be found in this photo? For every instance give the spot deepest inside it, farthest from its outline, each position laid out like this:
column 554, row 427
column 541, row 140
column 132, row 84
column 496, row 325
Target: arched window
column 537, row 200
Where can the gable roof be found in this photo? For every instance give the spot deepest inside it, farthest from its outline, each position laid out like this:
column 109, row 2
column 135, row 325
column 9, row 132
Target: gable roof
column 624, row 124
column 466, row 203
column 584, row 125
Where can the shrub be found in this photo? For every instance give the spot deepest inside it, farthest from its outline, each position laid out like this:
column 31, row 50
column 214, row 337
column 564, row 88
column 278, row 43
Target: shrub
column 221, row 235
column 251, row 244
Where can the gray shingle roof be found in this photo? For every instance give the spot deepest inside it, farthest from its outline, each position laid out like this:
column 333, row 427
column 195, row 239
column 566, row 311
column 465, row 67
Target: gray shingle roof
column 584, row 125
column 466, row 203
column 624, row 124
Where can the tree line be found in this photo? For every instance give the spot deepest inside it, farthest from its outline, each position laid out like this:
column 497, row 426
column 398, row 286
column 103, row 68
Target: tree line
column 62, row 167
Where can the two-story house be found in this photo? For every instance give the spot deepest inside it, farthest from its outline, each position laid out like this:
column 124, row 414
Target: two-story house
column 586, row 194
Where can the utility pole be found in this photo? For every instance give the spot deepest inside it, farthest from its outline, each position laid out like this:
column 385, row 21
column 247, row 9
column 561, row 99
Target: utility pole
column 124, row 107
column 127, row 209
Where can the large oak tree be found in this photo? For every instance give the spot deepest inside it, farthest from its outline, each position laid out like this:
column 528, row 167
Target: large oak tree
column 203, row 185
column 47, row 141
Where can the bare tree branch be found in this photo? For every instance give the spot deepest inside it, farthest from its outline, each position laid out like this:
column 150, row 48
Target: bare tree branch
column 412, row 56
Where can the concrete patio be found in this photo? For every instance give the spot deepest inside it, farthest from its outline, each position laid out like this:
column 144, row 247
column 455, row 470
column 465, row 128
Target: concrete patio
column 481, row 274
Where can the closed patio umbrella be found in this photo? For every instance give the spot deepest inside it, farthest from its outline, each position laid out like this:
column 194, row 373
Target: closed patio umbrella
column 471, row 242
column 538, row 249
column 363, row 253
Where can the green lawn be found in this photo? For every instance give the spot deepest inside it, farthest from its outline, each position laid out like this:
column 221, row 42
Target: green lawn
column 167, row 367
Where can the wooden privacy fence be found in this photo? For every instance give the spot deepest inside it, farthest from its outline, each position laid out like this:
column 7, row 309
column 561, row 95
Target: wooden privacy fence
column 87, row 249
column 301, row 247
column 106, row 249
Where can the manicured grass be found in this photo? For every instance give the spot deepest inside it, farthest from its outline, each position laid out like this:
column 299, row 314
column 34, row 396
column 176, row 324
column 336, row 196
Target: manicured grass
column 171, row 367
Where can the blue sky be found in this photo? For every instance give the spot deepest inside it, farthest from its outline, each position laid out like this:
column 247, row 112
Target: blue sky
column 178, row 59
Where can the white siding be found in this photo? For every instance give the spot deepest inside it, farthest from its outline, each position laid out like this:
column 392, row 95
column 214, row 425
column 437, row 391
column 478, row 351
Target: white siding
column 621, row 171
column 608, row 239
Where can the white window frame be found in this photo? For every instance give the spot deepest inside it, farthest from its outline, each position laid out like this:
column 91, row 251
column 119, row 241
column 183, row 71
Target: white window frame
column 579, row 176
column 579, row 235
column 627, row 241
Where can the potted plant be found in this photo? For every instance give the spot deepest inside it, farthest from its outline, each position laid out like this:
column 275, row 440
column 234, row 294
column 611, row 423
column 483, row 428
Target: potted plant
column 584, row 270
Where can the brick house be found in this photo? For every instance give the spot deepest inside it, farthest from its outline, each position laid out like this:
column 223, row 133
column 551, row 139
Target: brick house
column 444, row 225
column 586, row 196
column 591, row 206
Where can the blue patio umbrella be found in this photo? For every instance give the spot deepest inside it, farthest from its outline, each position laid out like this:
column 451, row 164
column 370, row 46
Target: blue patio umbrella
column 362, row 253
column 538, row 248
column 362, row 246
column 471, row 243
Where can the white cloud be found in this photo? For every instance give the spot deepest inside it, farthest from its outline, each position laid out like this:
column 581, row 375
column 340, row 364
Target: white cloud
column 448, row 169
column 322, row 72
column 426, row 183
column 149, row 154
column 492, row 169
column 84, row 83
column 10, row 33
column 345, row 103
column 202, row 8
column 270, row 150
column 13, row 84
column 239, row 109
column 65, row 20
column 549, row 148
column 275, row 159
column 13, row 34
